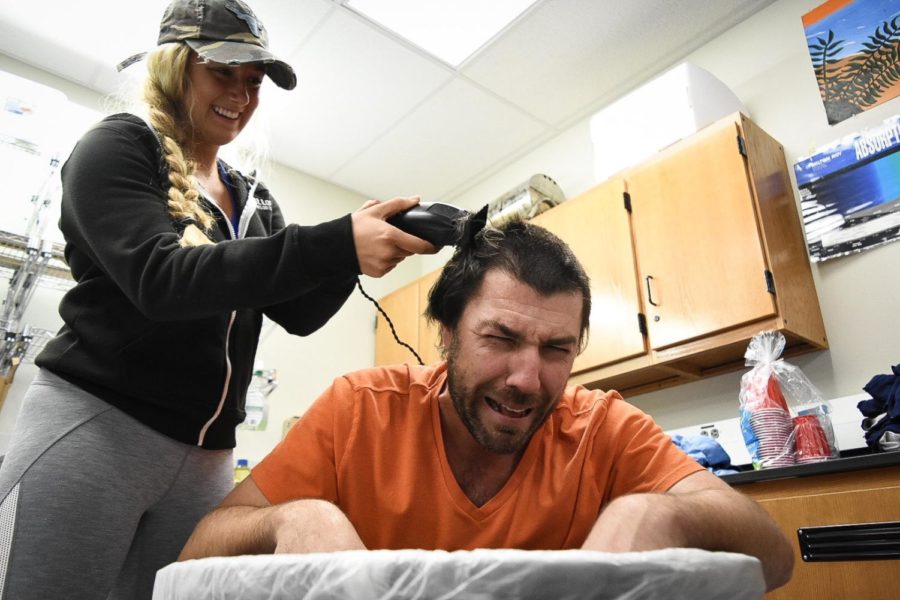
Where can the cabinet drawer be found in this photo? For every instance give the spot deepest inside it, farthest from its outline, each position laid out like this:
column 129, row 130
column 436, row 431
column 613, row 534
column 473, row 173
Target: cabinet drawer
column 877, row 499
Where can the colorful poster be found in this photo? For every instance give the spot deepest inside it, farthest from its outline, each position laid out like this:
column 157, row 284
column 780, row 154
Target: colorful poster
column 850, row 192
column 855, row 50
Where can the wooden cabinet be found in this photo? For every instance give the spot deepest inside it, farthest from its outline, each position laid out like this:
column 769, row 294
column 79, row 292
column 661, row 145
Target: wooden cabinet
column 429, row 337
column 700, row 258
column 690, row 254
column 402, row 307
column 597, row 228
column 869, row 496
column 717, row 254
column 406, row 307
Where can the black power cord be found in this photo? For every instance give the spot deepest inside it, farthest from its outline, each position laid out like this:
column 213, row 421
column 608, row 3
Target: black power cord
column 389, row 322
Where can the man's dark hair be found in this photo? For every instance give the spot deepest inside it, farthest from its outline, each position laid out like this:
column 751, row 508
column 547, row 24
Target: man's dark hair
column 525, row 251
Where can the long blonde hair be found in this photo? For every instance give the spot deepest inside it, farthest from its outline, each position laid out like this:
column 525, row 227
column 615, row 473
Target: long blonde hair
column 166, row 93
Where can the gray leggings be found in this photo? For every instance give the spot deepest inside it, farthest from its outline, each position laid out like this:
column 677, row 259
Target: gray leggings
column 92, row 502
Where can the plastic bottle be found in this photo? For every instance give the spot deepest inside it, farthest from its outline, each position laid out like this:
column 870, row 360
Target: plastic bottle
column 241, row 470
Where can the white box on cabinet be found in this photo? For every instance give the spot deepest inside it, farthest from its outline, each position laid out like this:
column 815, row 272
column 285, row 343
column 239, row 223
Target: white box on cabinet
column 664, row 110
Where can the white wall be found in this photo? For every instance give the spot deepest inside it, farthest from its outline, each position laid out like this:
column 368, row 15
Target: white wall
column 766, row 63
column 346, row 343
column 41, row 311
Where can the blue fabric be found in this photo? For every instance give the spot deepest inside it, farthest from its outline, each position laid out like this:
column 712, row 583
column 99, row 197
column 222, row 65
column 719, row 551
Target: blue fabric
column 885, row 403
column 706, row 451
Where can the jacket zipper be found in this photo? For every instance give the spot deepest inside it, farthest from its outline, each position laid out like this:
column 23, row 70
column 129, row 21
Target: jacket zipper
column 224, row 395
column 234, row 235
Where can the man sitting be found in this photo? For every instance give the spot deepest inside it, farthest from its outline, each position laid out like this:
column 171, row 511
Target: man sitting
column 489, row 449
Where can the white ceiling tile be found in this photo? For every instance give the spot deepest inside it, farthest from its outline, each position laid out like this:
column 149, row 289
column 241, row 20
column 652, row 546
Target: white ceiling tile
column 375, row 115
column 355, row 83
column 455, row 135
column 290, row 22
column 69, row 36
column 571, row 55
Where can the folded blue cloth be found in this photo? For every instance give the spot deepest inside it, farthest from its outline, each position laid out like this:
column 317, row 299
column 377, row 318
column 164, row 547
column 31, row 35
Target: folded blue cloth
column 706, row 451
column 885, row 402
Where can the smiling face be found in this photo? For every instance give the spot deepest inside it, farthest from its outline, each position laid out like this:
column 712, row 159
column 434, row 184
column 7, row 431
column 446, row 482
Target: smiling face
column 509, row 359
column 221, row 100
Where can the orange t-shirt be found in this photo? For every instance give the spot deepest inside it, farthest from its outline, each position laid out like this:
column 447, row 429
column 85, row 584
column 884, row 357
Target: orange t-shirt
column 372, row 444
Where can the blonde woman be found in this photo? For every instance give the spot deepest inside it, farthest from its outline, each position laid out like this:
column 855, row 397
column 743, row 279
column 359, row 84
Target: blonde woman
column 125, row 437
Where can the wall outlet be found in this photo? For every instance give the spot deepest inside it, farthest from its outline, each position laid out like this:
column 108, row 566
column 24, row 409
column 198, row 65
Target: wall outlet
column 727, row 433
column 710, row 430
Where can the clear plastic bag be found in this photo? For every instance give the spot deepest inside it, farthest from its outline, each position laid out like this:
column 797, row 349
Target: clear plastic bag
column 784, row 419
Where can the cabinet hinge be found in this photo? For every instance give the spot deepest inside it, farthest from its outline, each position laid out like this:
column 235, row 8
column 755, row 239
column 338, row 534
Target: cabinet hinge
column 742, row 146
column 770, row 282
column 627, row 198
column 642, row 323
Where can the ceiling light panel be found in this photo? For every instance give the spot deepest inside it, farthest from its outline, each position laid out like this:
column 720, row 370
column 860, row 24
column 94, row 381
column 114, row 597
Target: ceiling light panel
column 450, row 31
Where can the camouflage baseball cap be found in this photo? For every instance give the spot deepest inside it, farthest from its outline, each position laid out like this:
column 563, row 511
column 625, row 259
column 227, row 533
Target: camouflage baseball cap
column 224, row 31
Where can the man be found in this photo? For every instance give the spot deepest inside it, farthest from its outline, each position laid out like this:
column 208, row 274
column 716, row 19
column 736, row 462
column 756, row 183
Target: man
column 489, row 449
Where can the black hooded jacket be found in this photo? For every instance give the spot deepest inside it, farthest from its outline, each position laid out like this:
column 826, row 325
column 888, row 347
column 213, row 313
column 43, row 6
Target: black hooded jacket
column 169, row 334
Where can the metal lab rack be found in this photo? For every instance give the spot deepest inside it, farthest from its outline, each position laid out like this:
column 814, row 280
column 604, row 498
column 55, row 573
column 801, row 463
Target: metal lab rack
column 17, row 254
column 19, row 346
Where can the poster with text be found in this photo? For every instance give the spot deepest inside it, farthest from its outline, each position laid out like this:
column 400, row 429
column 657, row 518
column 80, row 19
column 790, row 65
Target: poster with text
column 854, row 46
column 850, row 192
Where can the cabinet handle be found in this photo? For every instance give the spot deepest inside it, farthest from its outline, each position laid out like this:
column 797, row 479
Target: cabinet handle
column 650, row 291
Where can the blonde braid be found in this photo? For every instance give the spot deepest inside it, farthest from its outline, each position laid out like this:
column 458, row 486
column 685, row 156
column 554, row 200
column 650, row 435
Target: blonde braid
column 165, row 93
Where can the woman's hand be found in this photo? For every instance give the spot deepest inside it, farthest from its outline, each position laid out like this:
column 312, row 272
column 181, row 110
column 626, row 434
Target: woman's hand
column 379, row 245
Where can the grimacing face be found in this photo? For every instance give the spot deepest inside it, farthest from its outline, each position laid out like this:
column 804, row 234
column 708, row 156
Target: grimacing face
column 509, row 359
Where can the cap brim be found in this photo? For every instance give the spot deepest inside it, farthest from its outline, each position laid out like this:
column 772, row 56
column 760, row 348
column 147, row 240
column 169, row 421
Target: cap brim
column 238, row 53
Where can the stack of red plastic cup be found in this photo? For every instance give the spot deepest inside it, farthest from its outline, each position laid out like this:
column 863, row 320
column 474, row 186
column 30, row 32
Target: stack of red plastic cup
column 810, row 439
column 771, row 422
column 774, row 431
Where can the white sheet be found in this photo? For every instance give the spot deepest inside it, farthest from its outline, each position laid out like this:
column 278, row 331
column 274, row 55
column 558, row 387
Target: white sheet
column 413, row 574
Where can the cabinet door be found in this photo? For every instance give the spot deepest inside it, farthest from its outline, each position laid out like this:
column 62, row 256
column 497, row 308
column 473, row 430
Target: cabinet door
column 402, row 306
column 699, row 255
column 428, row 332
column 595, row 225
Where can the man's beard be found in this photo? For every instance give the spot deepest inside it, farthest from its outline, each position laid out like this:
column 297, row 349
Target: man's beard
column 466, row 401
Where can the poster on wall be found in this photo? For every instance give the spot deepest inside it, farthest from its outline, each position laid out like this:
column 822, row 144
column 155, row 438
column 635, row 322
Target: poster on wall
column 853, row 45
column 850, row 192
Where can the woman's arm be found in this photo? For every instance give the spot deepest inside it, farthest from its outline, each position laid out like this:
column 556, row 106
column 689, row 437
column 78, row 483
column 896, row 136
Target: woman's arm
column 116, row 223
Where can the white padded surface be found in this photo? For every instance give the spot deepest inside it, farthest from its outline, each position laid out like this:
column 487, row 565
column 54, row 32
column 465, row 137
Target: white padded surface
column 481, row 574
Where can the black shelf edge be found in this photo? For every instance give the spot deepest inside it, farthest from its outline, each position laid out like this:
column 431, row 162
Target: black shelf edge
column 837, row 465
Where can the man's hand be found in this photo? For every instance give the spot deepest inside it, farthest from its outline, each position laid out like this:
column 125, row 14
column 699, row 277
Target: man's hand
column 700, row 511
column 304, row 526
column 246, row 523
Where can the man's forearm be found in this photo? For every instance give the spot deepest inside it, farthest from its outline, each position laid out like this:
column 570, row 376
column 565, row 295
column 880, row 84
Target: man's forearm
column 712, row 519
column 300, row 526
column 232, row 531
column 729, row 521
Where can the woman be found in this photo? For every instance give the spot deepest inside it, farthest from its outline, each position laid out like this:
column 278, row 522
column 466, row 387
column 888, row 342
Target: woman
column 124, row 439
